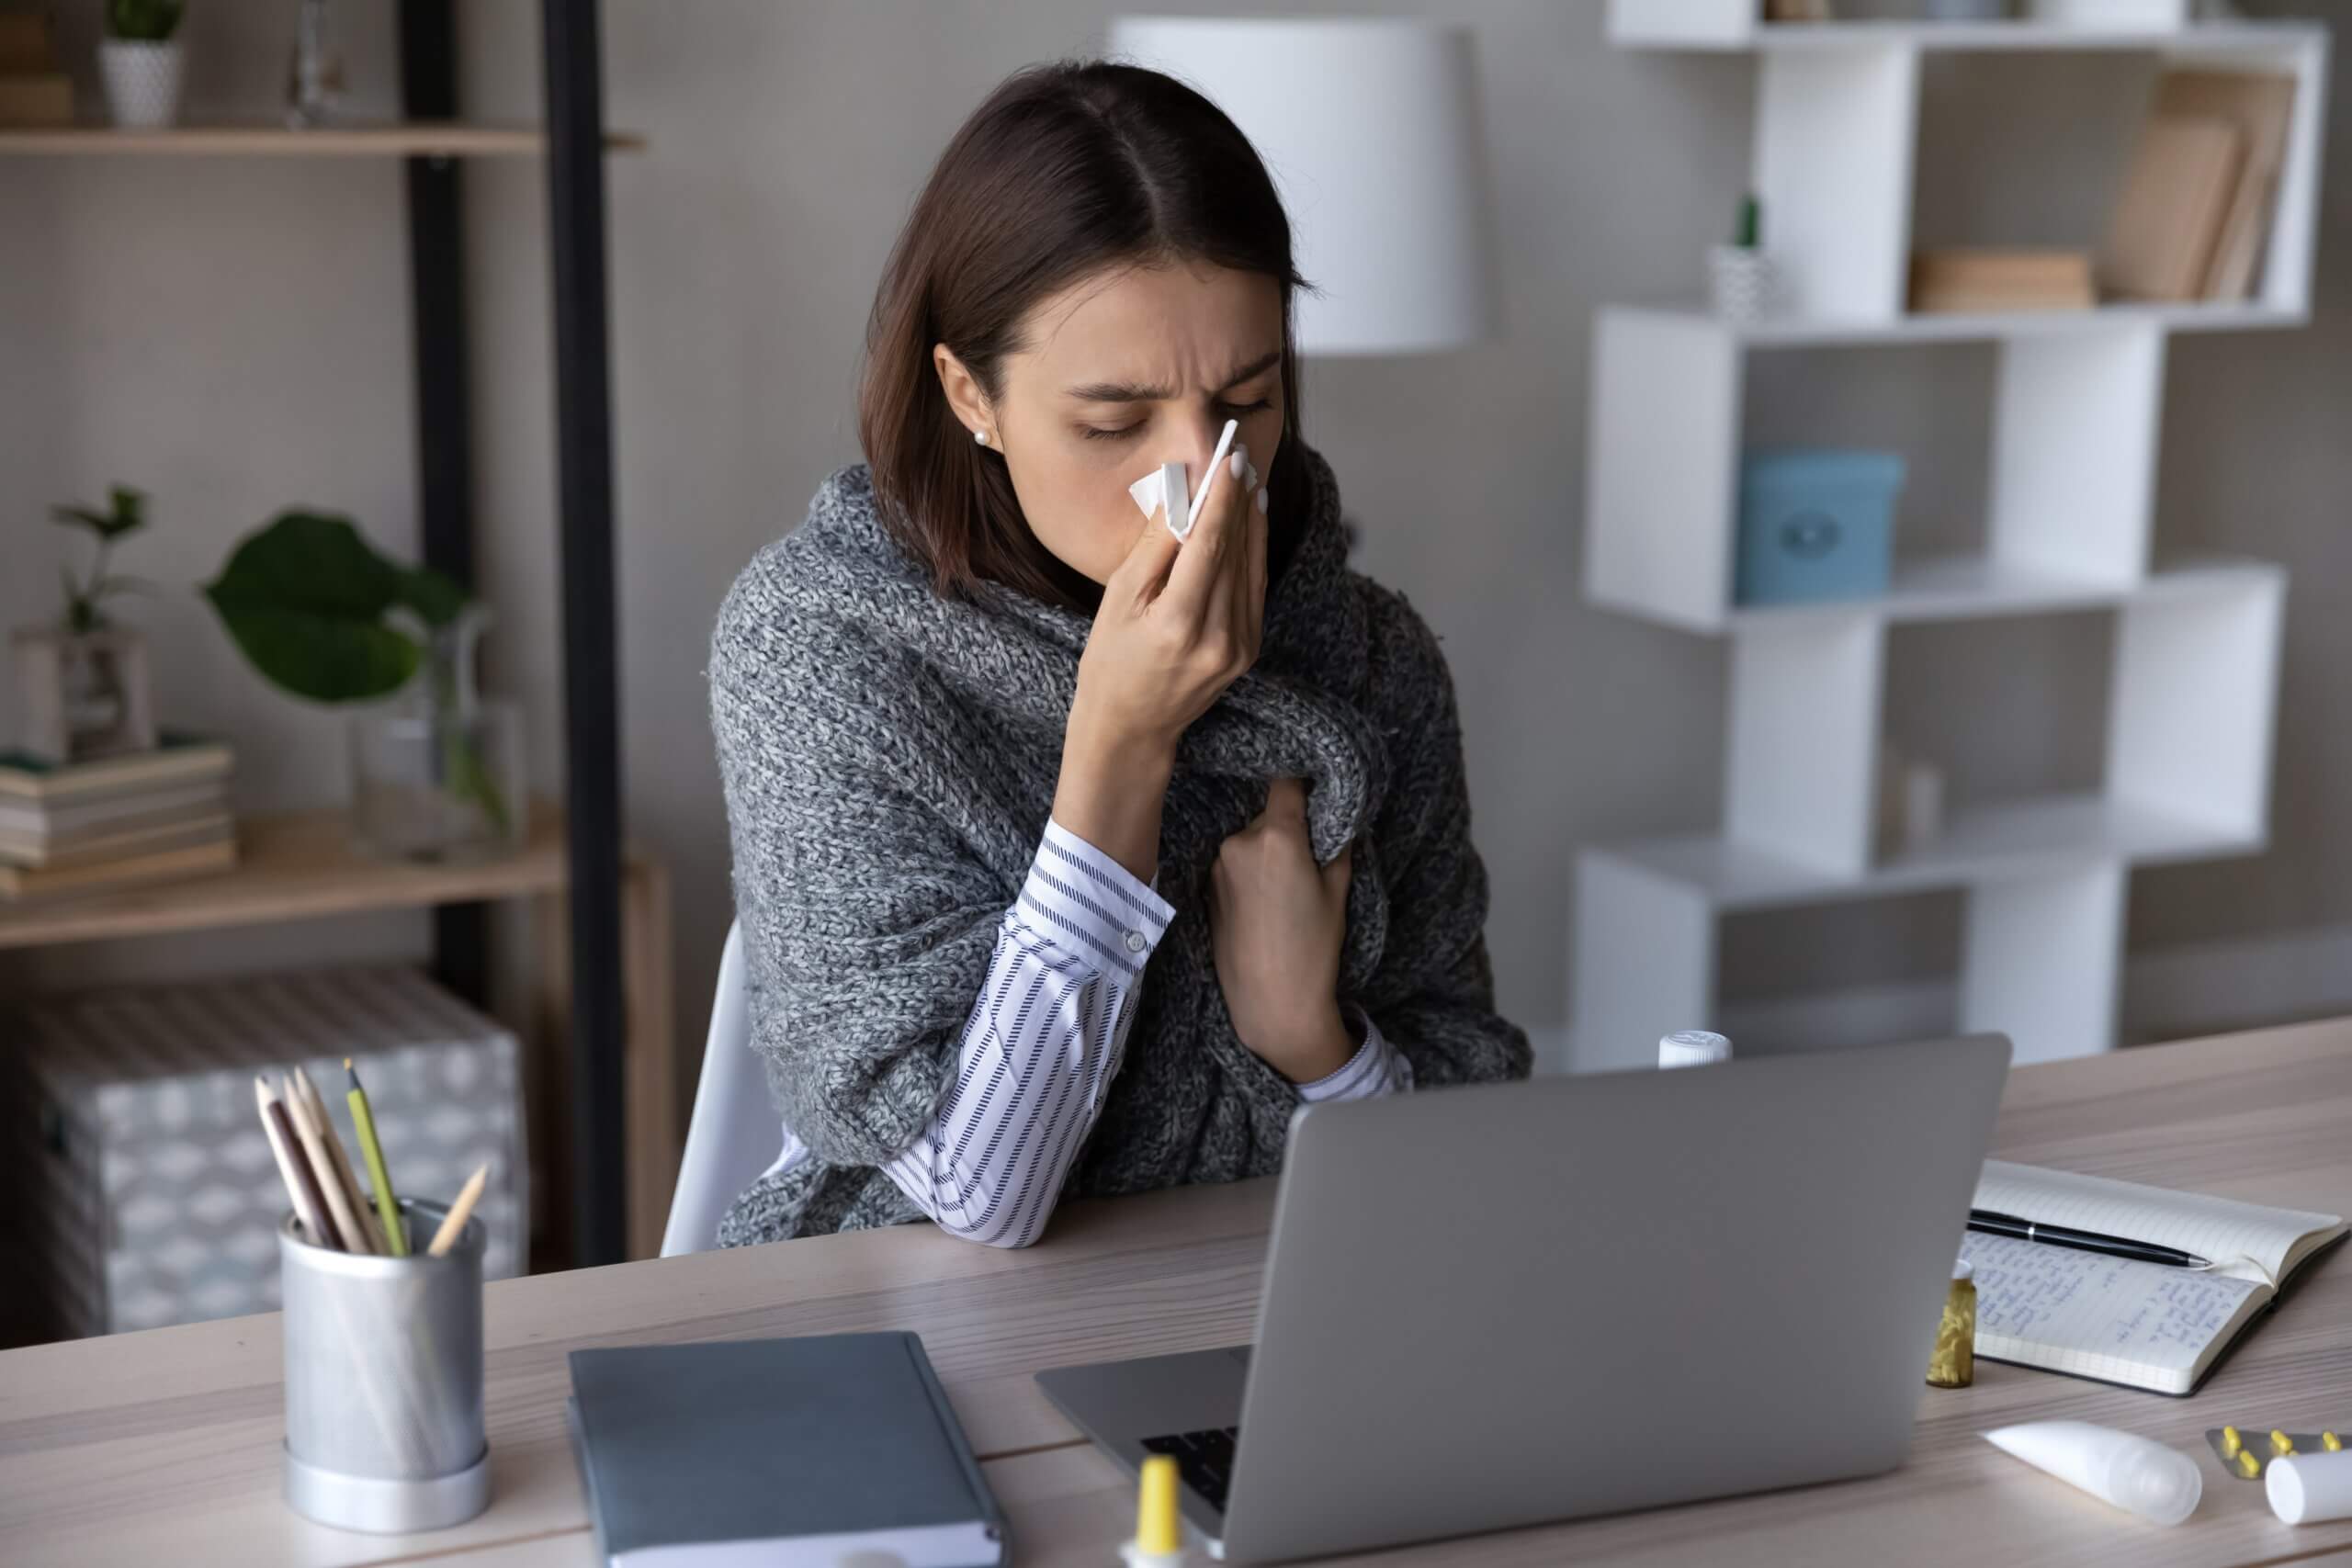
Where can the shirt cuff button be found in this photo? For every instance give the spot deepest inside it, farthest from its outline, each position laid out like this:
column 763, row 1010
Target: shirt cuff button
column 1135, row 941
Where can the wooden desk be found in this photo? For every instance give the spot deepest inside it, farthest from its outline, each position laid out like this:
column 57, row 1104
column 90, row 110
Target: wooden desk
column 164, row 1447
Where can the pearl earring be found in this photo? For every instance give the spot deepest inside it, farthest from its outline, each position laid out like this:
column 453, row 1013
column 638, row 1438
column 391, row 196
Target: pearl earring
column 981, row 436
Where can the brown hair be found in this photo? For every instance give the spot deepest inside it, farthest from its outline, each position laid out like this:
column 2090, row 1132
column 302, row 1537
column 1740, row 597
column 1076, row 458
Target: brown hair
column 1068, row 168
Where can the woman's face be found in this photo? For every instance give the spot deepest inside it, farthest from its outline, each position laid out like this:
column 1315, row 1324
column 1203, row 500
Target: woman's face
column 1127, row 370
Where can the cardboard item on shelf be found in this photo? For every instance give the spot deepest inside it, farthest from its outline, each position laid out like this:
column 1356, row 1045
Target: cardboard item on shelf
column 2259, row 105
column 2166, row 225
column 1951, row 279
column 28, row 46
column 36, row 101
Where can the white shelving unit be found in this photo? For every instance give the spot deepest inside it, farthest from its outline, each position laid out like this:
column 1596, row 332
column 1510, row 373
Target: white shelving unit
column 2078, row 403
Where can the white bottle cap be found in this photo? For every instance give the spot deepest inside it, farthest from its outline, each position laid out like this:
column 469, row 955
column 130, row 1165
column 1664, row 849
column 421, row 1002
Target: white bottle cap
column 1693, row 1048
column 2308, row 1488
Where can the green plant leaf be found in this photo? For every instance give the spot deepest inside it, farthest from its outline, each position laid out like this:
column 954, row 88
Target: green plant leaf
column 315, row 562
column 324, row 658
column 435, row 599
column 305, row 598
column 150, row 21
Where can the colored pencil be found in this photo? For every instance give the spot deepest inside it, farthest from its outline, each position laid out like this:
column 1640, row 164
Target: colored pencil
column 313, row 1138
column 317, row 1104
column 453, row 1224
column 388, row 1207
column 309, row 1203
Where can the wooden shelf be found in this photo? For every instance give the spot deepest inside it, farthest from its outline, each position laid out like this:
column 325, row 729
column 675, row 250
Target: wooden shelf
column 293, row 866
column 452, row 140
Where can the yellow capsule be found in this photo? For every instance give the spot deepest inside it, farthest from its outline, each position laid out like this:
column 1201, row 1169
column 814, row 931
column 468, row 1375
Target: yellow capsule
column 2231, row 1444
column 2248, row 1466
column 2331, row 1442
column 2280, row 1443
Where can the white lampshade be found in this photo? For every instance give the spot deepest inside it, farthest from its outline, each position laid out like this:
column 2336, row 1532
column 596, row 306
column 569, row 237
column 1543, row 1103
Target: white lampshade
column 1370, row 128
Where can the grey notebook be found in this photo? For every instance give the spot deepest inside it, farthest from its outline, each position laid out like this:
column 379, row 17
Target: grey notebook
column 777, row 1452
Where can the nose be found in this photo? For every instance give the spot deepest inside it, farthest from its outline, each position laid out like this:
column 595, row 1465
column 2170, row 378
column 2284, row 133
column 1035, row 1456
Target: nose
column 1202, row 439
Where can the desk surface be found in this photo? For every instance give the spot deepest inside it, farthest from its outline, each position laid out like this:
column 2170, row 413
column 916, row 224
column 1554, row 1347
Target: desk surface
column 164, row 1446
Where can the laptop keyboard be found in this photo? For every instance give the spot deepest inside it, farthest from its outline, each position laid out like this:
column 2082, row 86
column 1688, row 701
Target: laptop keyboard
column 1203, row 1458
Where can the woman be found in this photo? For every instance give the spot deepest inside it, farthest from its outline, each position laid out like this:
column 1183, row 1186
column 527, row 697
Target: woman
column 1072, row 858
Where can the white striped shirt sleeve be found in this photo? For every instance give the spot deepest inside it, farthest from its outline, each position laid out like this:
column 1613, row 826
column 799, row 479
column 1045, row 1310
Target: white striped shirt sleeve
column 1044, row 1041
column 1376, row 1069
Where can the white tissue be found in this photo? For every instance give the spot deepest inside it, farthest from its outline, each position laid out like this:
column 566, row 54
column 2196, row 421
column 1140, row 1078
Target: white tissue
column 2135, row 1474
column 1168, row 479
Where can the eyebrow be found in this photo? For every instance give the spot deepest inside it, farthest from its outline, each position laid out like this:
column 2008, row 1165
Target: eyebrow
column 1132, row 392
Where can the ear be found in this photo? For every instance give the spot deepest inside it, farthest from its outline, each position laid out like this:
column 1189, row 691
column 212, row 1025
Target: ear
column 962, row 391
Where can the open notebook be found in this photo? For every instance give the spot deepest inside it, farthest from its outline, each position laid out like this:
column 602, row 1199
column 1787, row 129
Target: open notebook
column 2143, row 1325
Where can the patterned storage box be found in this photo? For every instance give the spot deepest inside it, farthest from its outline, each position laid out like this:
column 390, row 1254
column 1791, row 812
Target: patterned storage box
column 150, row 1194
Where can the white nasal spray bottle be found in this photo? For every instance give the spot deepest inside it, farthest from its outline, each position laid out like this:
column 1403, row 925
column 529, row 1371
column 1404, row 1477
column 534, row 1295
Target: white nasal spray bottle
column 1168, row 479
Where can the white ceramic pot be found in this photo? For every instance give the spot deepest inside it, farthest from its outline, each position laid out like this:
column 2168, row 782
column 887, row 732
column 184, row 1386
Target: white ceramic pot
column 1740, row 282
column 142, row 81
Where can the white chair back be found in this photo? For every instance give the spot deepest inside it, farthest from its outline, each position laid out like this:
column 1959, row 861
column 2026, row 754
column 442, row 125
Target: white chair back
column 735, row 1134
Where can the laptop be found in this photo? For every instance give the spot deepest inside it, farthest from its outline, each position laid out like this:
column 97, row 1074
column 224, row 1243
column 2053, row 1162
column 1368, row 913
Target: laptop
column 1497, row 1304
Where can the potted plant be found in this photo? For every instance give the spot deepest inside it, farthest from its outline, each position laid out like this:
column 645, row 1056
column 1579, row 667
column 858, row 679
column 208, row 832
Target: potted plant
column 437, row 770
column 140, row 61
column 85, row 678
column 1741, row 281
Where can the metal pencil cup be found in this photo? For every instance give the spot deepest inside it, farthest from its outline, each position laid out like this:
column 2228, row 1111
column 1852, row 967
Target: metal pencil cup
column 383, row 1381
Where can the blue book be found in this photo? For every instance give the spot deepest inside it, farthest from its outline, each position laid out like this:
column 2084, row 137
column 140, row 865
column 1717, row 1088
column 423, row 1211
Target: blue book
column 778, row 1452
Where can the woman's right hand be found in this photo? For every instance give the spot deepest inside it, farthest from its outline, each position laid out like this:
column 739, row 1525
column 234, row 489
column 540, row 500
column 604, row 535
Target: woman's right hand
column 1180, row 621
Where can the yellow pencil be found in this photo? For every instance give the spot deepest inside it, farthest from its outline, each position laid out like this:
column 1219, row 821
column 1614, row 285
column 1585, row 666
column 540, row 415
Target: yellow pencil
column 388, row 1207
column 453, row 1224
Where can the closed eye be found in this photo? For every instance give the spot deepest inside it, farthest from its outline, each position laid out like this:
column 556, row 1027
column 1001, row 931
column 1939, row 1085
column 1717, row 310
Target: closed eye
column 1232, row 411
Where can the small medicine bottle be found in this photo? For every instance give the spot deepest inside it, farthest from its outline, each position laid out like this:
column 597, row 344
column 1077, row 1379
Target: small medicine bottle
column 1693, row 1048
column 1953, row 1365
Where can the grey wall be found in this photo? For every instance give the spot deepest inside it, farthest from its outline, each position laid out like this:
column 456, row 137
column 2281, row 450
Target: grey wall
column 233, row 335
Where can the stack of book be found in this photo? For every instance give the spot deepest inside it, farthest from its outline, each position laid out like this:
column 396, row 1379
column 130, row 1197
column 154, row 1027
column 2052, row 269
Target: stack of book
column 116, row 821
column 2195, row 209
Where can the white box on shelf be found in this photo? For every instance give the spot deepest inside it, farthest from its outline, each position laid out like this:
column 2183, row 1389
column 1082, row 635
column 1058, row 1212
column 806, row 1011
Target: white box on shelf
column 149, row 1192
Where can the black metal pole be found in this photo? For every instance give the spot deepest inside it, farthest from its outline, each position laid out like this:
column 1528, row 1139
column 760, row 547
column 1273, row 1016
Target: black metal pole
column 591, row 705
column 436, row 271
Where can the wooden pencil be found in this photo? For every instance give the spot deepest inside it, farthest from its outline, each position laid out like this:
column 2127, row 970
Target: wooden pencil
column 310, row 1204
column 313, row 1136
column 317, row 1103
column 453, row 1224
column 388, row 1203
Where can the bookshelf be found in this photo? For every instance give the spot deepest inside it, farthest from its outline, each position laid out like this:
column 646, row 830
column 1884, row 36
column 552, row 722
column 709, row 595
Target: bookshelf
column 606, row 900
column 2076, row 421
column 446, row 138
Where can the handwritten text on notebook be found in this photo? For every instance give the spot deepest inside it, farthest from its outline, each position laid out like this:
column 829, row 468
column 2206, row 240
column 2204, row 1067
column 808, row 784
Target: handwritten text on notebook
column 2102, row 1306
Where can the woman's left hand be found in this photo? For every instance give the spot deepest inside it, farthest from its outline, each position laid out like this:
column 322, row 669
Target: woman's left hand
column 1277, row 922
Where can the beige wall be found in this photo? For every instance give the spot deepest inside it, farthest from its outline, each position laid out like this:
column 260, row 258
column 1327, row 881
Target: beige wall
column 233, row 334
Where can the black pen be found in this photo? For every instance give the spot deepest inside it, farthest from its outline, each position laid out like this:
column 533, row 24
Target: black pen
column 1991, row 1224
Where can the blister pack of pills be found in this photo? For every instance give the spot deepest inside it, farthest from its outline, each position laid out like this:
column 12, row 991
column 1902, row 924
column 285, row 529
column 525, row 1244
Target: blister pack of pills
column 2246, row 1453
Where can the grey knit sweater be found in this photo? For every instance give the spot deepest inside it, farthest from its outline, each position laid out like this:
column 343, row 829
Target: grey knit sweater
column 889, row 759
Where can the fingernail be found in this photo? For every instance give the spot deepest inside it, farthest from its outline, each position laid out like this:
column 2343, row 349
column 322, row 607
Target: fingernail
column 1235, row 464
column 1262, row 500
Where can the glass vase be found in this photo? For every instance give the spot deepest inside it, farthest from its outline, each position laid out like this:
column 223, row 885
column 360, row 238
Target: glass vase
column 437, row 770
